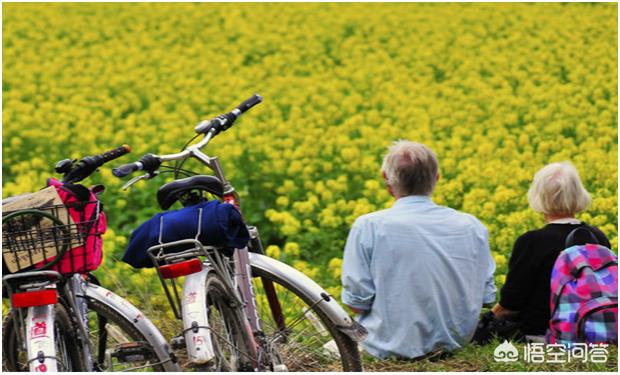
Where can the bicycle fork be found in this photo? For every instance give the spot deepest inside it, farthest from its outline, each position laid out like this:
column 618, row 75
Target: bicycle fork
column 77, row 300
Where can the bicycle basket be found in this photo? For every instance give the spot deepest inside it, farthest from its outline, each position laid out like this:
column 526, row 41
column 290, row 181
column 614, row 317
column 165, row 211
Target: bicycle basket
column 65, row 238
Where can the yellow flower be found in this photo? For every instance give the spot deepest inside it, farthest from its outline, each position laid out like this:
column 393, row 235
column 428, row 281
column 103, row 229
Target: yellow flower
column 335, row 267
column 500, row 260
column 273, row 251
column 292, row 249
column 282, row 201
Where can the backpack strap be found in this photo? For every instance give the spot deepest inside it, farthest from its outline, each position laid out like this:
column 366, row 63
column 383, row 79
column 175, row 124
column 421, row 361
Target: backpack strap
column 574, row 237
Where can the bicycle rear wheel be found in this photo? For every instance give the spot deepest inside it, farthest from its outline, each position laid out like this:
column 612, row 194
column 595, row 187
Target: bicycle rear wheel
column 310, row 341
column 68, row 353
column 117, row 344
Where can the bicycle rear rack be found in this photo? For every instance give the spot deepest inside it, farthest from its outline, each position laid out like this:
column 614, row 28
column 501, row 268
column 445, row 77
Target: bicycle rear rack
column 162, row 260
column 171, row 262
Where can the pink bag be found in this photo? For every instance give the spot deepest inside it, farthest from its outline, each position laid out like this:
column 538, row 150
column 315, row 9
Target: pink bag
column 87, row 213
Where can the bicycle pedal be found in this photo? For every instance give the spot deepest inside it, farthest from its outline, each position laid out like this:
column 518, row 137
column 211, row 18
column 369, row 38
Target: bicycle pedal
column 132, row 352
column 177, row 342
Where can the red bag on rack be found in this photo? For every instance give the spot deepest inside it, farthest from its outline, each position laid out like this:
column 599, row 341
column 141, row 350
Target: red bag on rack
column 90, row 221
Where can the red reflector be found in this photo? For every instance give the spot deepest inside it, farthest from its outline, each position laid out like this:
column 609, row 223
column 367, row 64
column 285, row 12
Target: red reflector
column 230, row 199
column 170, row 271
column 34, row 298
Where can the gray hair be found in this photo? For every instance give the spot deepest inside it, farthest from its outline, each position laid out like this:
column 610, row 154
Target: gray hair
column 557, row 190
column 410, row 168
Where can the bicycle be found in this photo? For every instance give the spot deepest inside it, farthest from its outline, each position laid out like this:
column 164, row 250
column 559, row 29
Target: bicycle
column 246, row 311
column 61, row 319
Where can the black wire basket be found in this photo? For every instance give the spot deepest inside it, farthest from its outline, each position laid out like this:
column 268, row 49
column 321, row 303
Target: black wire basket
column 64, row 238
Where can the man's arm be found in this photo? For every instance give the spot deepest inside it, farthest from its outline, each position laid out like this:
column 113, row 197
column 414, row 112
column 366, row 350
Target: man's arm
column 358, row 289
column 489, row 286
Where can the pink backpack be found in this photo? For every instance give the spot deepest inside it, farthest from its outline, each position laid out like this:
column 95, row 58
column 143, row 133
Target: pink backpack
column 584, row 296
column 91, row 223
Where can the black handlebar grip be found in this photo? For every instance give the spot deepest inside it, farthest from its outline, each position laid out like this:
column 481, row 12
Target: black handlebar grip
column 126, row 169
column 254, row 100
column 115, row 154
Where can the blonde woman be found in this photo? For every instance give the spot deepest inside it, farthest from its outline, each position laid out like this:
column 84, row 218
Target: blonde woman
column 557, row 193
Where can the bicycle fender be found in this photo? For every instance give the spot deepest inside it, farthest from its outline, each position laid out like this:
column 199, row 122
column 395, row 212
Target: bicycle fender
column 141, row 322
column 313, row 292
column 195, row 318
column 40, row 344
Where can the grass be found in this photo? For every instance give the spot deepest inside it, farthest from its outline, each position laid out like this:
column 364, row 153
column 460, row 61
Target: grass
column 480, row 358
column 472, row 358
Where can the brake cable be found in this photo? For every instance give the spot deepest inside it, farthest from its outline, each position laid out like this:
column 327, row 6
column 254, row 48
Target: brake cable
column 179, row 163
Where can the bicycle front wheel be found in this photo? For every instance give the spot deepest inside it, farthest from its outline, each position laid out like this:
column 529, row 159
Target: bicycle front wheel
column 117, row 344
column 306, row 340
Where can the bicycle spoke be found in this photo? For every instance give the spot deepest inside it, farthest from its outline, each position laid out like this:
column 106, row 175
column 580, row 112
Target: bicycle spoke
column 302, row 345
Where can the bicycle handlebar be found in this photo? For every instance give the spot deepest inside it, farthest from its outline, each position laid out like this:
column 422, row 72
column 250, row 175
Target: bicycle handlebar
column 210, row 128
column 88, row 164
column 148, row 162
column 246, row 105
column 113, row 154
column 225, row 121
column 126, row 169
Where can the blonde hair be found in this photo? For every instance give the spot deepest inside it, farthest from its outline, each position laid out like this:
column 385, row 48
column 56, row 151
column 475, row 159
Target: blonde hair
column 410, row 168
column 557, row 189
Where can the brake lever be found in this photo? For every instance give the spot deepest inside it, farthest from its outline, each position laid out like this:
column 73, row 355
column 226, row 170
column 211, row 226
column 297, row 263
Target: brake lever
column 146, row 176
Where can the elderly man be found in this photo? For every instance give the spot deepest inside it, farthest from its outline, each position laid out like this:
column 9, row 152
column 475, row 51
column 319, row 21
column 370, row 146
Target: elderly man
column 417, row 274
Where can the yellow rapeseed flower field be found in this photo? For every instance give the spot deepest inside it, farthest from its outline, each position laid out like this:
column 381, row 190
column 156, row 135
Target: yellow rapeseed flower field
column 497, row 90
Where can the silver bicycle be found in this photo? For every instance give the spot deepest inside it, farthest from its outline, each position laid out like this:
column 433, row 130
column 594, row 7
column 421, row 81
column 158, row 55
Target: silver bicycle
column 61, row 319
column 245, row 311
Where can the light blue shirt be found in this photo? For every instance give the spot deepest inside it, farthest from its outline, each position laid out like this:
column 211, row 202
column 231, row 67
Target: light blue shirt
column 422, row 271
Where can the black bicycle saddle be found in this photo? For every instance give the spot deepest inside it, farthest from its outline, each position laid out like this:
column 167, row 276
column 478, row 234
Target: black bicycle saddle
column 169, row 193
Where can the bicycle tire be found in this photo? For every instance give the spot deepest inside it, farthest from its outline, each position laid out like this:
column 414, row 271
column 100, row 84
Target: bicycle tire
column 228, row 329
column 67, row 350
column 113, row 322
column 309, row 361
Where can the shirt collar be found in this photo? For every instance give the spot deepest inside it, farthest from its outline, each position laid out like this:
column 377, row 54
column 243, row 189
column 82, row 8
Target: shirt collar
column 566, row 221
column 413, row 199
